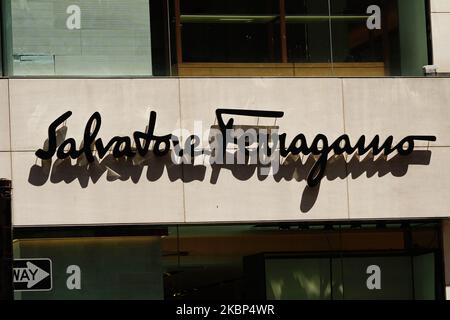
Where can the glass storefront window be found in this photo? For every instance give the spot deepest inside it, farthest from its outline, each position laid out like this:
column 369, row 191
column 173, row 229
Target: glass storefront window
column 395, row 277
column 373, row 278
column 223, row 262
column 313, row 263
column 77, row 38
column 298, row 279
column 94, row 268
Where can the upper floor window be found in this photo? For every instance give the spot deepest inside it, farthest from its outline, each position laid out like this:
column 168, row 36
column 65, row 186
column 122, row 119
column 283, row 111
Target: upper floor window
column 215, row 37
column 78, row 37
column 301, row 37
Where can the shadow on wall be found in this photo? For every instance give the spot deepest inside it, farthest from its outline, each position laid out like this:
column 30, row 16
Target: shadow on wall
column 294, row 168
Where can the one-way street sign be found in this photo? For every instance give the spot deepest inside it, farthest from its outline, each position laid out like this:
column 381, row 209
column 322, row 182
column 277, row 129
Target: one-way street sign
column 32, row 275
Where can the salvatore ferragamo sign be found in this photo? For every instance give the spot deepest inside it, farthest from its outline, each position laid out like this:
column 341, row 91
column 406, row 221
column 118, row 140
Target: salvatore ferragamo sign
column 227, row 144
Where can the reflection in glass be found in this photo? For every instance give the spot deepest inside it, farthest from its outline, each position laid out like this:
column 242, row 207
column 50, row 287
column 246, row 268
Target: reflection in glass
column 298, row 279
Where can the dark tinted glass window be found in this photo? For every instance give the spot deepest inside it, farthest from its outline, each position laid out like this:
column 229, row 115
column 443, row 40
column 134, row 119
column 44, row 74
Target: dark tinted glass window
column 229, row 31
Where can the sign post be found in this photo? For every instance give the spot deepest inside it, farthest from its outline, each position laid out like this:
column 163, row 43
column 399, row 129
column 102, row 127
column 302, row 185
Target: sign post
column 6, row 252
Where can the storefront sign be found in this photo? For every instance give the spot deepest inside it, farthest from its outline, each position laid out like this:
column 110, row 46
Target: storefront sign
column 270, row 146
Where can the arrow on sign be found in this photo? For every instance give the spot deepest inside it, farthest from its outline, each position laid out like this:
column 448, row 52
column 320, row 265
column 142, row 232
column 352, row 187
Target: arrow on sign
column 31, row 275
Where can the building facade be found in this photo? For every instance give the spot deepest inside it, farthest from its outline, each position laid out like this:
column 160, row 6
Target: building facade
column 227, row 149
